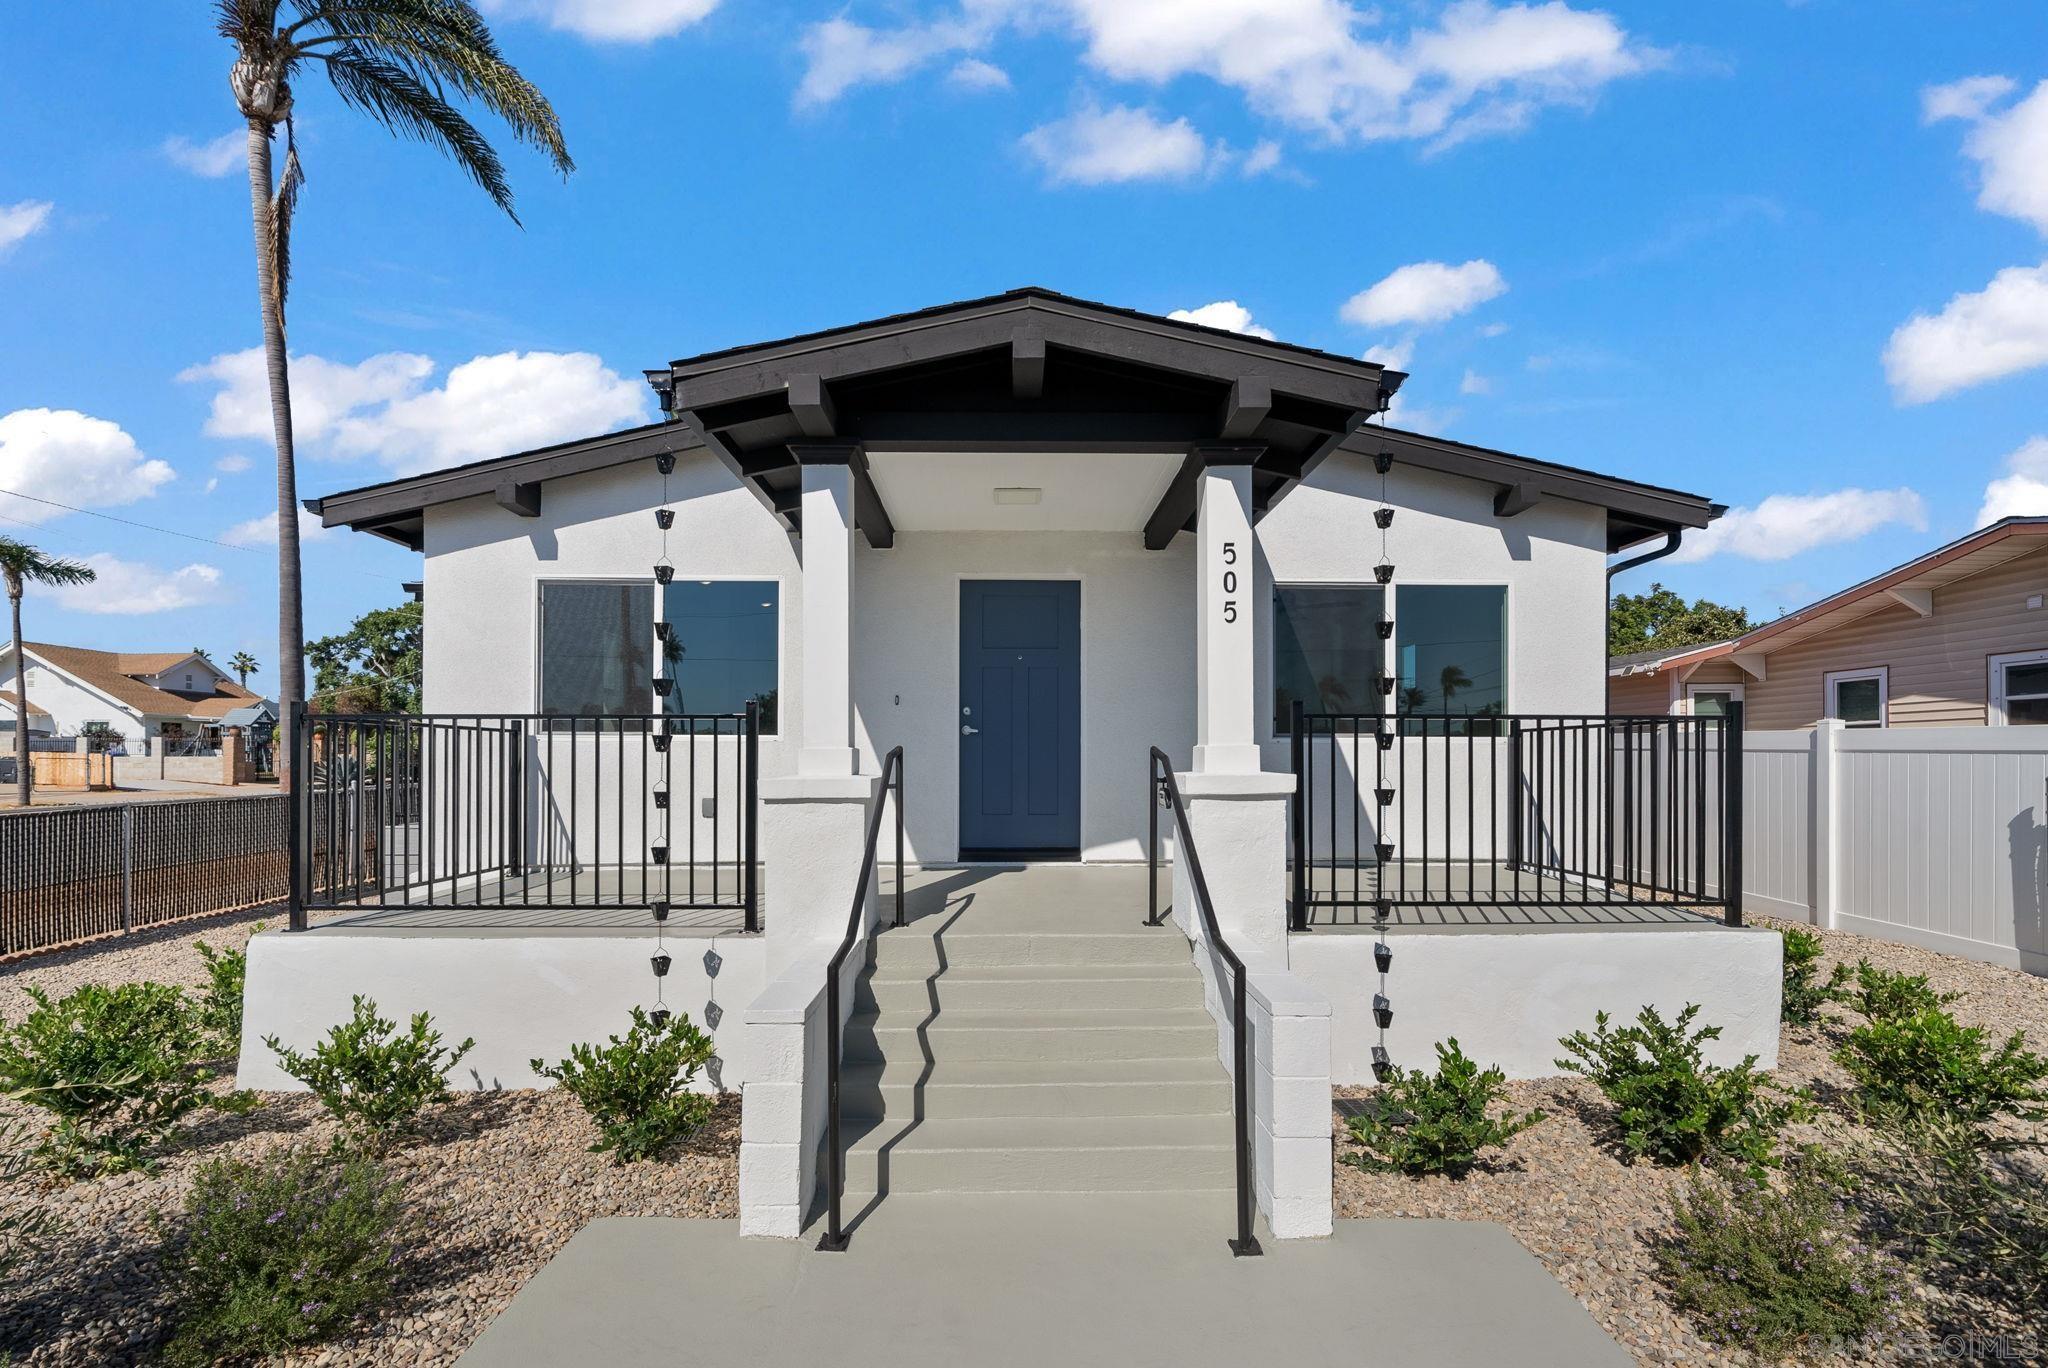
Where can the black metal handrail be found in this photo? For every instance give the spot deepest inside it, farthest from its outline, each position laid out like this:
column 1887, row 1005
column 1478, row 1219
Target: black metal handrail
column 1162, row 782
column 1519, row 810
column 835, row 1238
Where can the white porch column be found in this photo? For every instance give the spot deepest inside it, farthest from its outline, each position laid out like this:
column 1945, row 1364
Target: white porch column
column 828, row 532
column 1225, row 742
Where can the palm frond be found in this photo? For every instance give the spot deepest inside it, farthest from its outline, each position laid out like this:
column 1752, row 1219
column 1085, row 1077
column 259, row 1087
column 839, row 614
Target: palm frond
column 283, row 205
column 245, row 21
column 21, row 562
column 401, row 102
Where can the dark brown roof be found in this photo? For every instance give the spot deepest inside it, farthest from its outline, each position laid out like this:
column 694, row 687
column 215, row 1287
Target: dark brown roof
column 120, row 674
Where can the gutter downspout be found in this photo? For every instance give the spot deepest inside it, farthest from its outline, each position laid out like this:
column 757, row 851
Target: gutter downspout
column 1671, row 541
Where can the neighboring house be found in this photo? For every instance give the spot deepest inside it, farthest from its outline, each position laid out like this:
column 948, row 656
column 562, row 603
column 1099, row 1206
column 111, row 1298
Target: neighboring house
column 1026, row 539
column 39, row 723
column 1957, row 637
column 144, row 697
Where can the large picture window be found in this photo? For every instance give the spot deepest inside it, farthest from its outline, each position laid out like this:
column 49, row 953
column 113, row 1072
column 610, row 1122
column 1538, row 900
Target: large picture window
column 596, row 648
column 722, row 647
column 1449, row 648
column 1326, row 649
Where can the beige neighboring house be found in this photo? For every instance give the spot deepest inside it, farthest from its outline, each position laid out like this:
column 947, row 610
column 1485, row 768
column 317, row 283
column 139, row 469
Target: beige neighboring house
column 145, row 697
column 1956, row 638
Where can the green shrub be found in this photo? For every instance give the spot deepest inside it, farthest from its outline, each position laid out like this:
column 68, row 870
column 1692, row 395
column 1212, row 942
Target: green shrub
column 636, row 1087
column 1436, row 1123
column 24, row 1229
column 1928, row 1067
column 116, row 1068
column 1672, row 1105
column 1769, row 1268
column 1892, row 995
column 374, row 1081
column 281, row 1252
column 1804, row 995
column 220, row 1007
column 1975, row 1217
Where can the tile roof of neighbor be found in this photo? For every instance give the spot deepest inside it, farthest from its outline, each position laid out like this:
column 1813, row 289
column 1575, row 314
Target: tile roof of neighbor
column 118, row 675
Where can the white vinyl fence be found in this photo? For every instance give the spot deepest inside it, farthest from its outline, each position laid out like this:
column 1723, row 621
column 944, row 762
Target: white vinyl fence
column 1933, row 836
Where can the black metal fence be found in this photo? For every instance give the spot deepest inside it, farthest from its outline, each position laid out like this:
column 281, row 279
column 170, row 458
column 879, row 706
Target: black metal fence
column 1524, row 810
column 74, row 873
column 527, row 811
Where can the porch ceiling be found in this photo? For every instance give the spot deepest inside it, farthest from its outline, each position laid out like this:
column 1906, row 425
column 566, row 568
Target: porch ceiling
column 1045, row 491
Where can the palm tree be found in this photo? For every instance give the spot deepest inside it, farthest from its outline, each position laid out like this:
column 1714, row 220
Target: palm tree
column 401, row 62
column 1450, row 680
column 20, row 566
column 242, row 663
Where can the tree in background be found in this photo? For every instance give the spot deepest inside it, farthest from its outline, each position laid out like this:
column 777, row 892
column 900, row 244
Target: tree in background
column 373, row 667
column 1662, row 621
column 241, row 662
column 20, row 566
column 400, row 62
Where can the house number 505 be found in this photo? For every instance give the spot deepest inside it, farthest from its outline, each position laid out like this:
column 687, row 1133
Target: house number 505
column 1229, row 581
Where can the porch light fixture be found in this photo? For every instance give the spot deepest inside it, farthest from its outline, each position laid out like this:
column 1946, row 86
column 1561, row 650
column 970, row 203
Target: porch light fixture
column 660, row 910
column 1019, row 494
column 664, row 572
column 1383, row 517
column 660, row 796
column 664, row 686
column 1383, row 849
column 1382, row 956
column 1382, row 1011
column 664, row 518
column 665, row 462
column 659, row 1016
column 1383, row 461
column 1382, row 1066
column 659, row 853
column 1385, row 795
column 1385, row 627
column 1383, row 572
column 661, row 962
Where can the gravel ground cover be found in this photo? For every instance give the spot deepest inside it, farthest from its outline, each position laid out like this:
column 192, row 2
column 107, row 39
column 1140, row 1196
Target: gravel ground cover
column 1591, row 1218
column 504, row 1178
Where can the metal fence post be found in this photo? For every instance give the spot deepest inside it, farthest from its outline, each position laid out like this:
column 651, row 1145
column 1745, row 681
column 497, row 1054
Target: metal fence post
column 750, row 817
column 1297, row 808
column 1731, row 819
column 299, row 787
column 127, row 867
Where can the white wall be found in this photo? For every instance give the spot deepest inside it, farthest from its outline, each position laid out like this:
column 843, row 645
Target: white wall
column 70, row 705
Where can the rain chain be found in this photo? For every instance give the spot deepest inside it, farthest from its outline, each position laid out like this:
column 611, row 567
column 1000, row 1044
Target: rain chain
column 664, row 571
column 1384, row 732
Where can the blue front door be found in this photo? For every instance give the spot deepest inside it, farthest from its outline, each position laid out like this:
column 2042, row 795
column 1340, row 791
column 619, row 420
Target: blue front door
column 1020, row 716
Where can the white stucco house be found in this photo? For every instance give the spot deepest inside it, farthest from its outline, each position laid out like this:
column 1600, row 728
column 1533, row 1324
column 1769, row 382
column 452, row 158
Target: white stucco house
column 137, row 695
column 965, row 569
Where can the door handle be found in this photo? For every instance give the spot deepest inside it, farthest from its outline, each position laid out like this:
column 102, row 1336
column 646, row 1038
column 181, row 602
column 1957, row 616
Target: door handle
column 966, row 730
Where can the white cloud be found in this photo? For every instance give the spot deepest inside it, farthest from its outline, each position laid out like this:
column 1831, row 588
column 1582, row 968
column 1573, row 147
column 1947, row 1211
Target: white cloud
column 1785, row 525
column 608, row 21
column 1404, row 412
column 486, row 406
column 74, row 458
column 2011, row 152
column 233, row 463
column 1964, row 99
column 972, row 73
column 1095, row 146
column 1998, row 331
column 1394, row 354
column 130, row 587
column 1493, row 330
column 2023, row 490
column 18, row 221
column 229, row 152
column 1262, row 159
column 262, row 530
column 1424, row 292
column 1330, row 66
column 1227, row 314
column 1475, row 383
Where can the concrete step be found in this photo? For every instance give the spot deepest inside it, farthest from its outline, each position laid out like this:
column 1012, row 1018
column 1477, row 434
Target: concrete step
column 1032, row 987
column 912, row 951
column 953, row 1037
column 1042, row 1154
column 912, row 1089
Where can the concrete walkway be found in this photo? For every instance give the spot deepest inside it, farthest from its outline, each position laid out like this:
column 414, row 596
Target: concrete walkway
column 959, row 1282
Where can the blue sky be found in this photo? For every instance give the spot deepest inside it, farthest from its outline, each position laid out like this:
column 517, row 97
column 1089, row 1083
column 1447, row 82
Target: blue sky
column 1787, row 255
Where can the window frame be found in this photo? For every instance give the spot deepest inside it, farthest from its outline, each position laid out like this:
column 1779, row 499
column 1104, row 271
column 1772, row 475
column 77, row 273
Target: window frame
column 1995, row 696
column 539, row 637
column 1390, row 648
column 781, row 655
column 1734, row 692
column 1881, row 673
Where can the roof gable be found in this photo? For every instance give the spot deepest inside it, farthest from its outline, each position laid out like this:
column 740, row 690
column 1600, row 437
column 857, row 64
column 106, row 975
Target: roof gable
column 122, row 676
